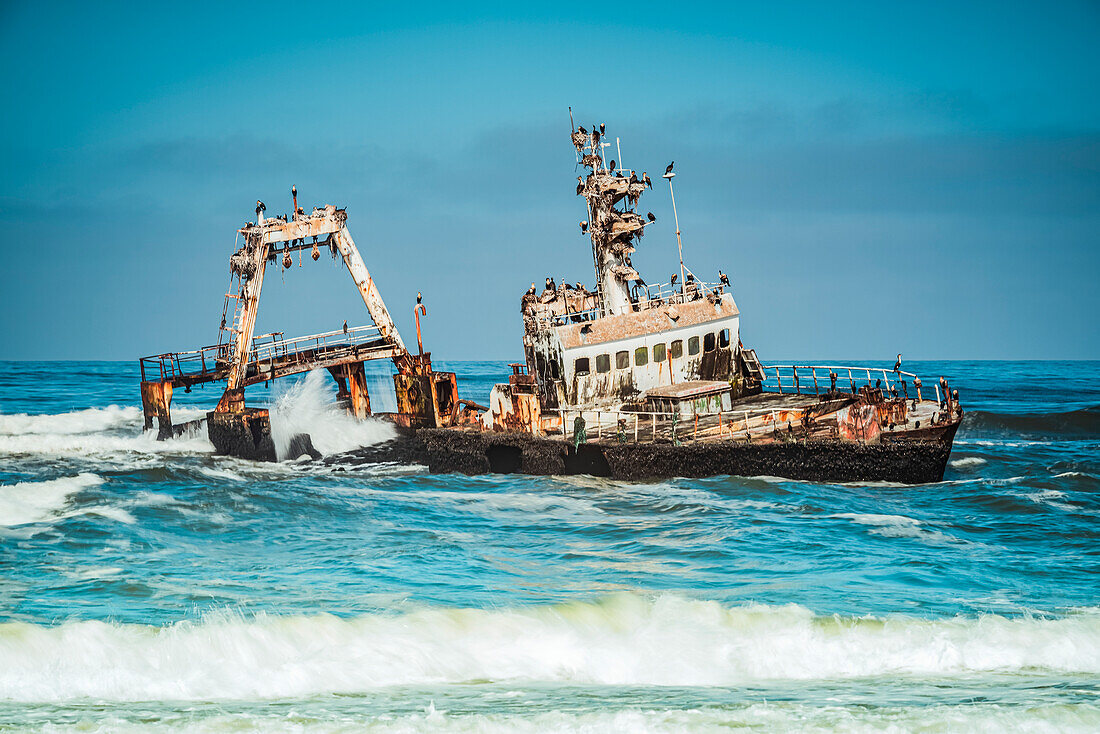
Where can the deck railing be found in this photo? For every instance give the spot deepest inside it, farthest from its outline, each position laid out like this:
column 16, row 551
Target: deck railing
column 817, row 380
column 305, row 346
column 656, row 296
column 651, row 425
column 207, row 361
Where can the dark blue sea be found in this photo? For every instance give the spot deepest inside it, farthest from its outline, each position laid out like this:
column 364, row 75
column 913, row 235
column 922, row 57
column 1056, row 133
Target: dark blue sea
column 151, row 585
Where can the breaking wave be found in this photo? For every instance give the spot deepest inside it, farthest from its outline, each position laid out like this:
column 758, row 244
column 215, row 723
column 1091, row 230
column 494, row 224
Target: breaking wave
column 757, row 716
column 620, row 640
column 95, row 431
column 309, row 406
column 1084, row 422
column 32, row 502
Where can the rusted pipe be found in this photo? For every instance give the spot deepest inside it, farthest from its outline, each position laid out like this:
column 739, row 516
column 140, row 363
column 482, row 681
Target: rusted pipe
column 418, row 309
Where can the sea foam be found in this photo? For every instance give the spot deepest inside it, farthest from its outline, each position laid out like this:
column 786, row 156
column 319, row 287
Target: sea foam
column 309, row 406
column 31, row 502
column 620, row 640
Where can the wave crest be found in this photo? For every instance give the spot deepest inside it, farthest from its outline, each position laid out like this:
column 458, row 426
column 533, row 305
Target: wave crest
column 31, row 502
column 621, row 640
column 1084, row 422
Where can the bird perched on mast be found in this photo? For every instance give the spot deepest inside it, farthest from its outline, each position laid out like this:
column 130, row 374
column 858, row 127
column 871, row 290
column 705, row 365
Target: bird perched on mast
column 669, row 169
column 419, row 298
column 260, row 208
column 650, row 217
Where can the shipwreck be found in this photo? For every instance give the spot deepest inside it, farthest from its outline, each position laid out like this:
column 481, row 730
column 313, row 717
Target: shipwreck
column 632, row 379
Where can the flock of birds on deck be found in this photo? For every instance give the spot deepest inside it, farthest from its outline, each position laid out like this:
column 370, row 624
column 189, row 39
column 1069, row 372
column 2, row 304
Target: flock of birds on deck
column 552, row 292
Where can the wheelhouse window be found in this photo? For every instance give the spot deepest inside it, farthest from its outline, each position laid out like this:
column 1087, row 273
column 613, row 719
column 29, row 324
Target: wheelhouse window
column 693, row 345
column 676, row 349
column 622, row 360
column 658, row 352
column 708, row 342
column 580, row 367
column 724, row 338
column 603, row 363
column 641, row 356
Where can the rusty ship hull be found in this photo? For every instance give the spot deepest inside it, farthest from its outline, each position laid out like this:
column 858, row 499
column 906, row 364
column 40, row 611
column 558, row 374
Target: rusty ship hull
column 629, row 380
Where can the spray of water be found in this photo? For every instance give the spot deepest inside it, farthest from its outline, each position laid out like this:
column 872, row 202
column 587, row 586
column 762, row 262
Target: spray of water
column 309, row 406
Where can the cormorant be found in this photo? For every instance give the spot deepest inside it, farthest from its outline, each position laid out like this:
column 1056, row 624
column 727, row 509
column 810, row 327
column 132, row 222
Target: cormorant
column 650, row 217
column 646, row 180
column 611, row 167
column 584, row 227
column 419, row 298
column 669, row 169
column 672, row 281
column 345, row 326
column 897, row 365
column 551, row 284
column 722, row 277
column 601, row 128
column 580, row 185
column 581, row 128
column 531, row 291
column 260, row 208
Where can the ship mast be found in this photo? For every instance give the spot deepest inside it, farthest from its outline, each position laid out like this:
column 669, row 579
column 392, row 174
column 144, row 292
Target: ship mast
column 612, row 228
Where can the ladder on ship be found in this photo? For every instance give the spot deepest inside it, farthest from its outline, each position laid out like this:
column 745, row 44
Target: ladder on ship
column 752, row 365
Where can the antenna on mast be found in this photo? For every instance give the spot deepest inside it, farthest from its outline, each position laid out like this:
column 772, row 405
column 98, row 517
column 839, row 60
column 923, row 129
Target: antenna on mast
column 679, row 244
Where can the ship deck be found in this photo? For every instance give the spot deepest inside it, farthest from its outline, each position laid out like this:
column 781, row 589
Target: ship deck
column 766, row 416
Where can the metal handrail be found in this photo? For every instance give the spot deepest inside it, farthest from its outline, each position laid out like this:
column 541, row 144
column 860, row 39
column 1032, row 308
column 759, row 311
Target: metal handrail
column 856, row 377
column 327, row 340
column 657, row 296
column 171, row 365
column 742, row 418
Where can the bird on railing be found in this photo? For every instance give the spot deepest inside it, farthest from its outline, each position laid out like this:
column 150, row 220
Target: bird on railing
column 897, row 365
column 345, row 326
column 672, row 281
column 646, row 180
column 722, row 277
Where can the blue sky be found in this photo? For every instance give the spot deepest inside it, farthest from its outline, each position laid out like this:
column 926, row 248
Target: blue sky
column 874, row 178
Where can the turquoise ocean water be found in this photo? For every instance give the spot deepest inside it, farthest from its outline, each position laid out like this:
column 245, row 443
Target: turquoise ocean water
column 154, row 586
